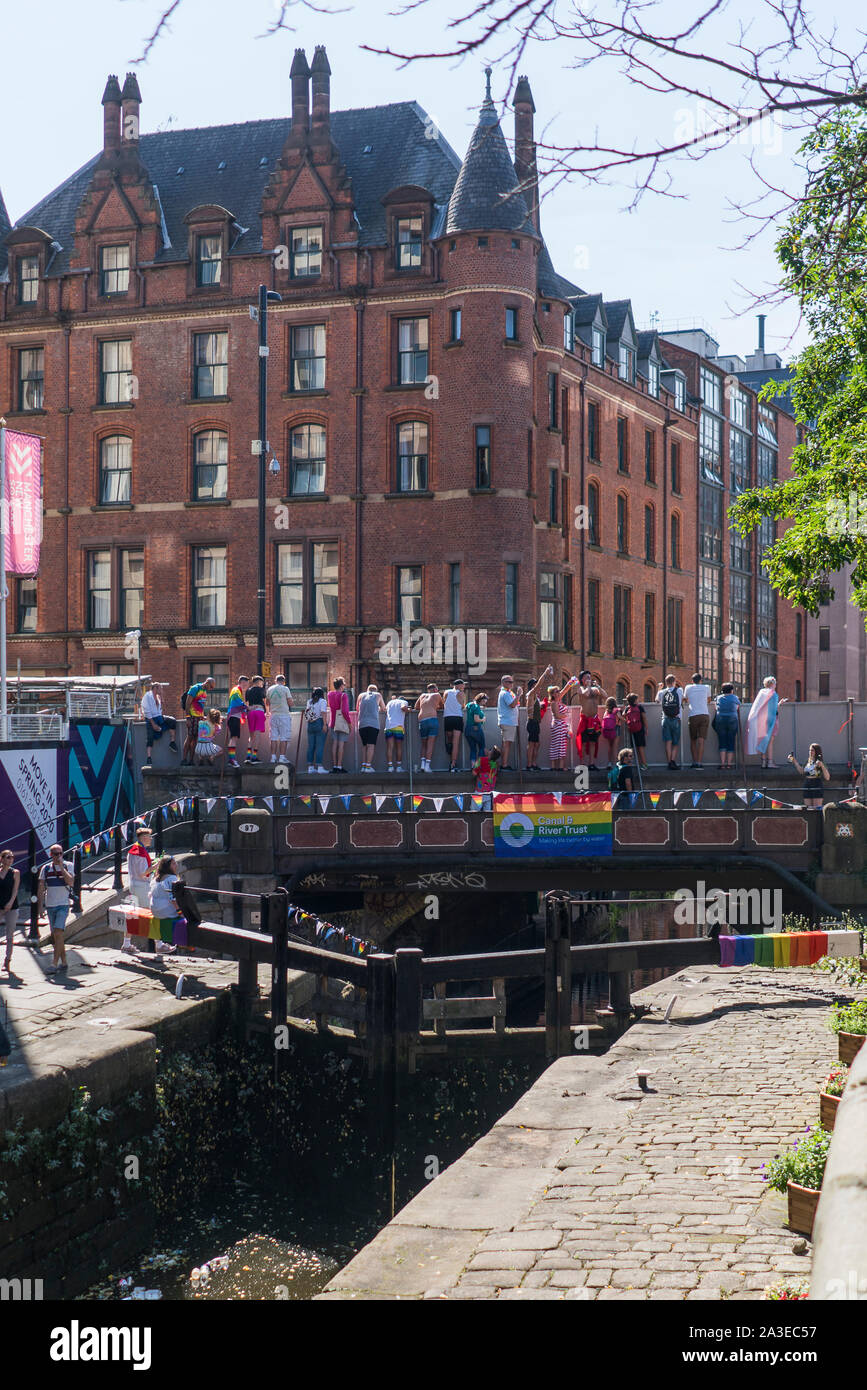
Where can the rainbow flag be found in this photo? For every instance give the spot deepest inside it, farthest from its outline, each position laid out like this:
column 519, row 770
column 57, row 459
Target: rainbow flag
column 306, row 800
column 720, row 796
column 477, row 800
column 654, row 798
column 367, row 801
column 543, row 825
column 416, row 802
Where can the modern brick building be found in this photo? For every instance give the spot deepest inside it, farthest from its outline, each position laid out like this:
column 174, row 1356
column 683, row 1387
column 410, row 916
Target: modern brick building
column 466, row 439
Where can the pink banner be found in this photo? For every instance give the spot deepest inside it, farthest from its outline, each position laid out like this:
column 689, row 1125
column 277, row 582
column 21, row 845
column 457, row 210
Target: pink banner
column 23, row 521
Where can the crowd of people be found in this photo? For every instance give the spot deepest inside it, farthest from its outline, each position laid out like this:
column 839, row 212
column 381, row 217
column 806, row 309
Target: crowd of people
column 606, row 727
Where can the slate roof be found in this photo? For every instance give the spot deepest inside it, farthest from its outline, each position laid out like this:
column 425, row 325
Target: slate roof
column 486, row 195
column 587, row 306
column 5, row 228
column 381, row 148
column 400, row 152
column 645, row 341
column 549, row 282
column 617, row 312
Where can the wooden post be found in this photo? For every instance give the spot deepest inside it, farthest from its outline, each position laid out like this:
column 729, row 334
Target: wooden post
column 408, row 1006
column 76, row 879
column 380, row 1059
column 118, row 860
column 440, row 1024
column 619, row 998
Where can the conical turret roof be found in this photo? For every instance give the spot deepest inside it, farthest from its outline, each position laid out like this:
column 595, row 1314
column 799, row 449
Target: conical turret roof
column 486, row 195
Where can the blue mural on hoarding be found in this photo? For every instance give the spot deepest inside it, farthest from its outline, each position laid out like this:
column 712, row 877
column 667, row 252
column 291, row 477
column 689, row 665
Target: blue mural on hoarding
column 32, row 797
column 100, row 777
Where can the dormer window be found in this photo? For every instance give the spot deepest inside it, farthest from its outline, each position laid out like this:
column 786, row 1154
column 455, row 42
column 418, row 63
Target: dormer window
column 305, row 256
column 28, row 279
column 626, row 363
column 209, row 260
column 679, row 393
column 114, row 270
column 409, row 243
column 653, row 378
column 598, row 346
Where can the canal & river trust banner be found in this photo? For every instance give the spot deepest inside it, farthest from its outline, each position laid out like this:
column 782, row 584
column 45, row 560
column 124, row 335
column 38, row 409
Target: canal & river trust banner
column 547, row 824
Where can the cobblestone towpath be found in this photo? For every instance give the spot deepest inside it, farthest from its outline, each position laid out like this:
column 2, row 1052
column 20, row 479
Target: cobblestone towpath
column 590, row 1188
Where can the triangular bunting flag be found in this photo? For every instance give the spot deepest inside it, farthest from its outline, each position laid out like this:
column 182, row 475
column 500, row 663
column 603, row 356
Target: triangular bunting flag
column 755, row 796
column 459, row 801
column 367, row 801
column 416, row 802
column 211, row 803
column 654, row 798
column 438, row 803
column 230, row 803
column 269, row 802
column 558, row 797
column 346, row 798
column 720, row 796
column 284, row 802
column 249, row 800
column 379, row 801
column 305, row 801
column 477, row 801
column 741, row 792
column 324, row 803
column 398, row 801
column 633, row 797
column 696, row 798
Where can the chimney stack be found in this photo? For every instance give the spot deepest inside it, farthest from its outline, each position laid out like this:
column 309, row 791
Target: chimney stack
column 761, row 318
column 130, row 103
column 111, row 99
column 300, row 75
column 320, row 72
column 525, row 148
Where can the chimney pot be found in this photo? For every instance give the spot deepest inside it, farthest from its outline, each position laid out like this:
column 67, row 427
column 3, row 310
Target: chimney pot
column 130, row 104
column 320, row 71
column 111, row 99
column 525, row 147
column 300, row 75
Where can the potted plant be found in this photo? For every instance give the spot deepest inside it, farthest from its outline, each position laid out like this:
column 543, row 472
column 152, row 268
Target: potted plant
column 829, row 1096
column 799, row 1173
column 787, row 1289
column 849, row 1022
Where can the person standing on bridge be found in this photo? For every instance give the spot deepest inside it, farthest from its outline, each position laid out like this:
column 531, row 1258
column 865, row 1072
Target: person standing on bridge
column 10, row 881
column 338, row 705
column 236, row 715
column 195, row 703
column 762, row 721
column 559, row 738
column 453, row 721
column 279, row 698
column 369, row 707
column 695, row 697
column 589, row 724
column 255, row 717
column 508, row 703
column 138, row 867
column 814, row 772
column 427, row 706
column 534, row 720
column 52, row 893
column 670, row 697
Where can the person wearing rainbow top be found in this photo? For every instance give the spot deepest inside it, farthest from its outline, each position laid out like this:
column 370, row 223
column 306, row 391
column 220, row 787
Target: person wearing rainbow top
column 196, row 704
column 236, row 715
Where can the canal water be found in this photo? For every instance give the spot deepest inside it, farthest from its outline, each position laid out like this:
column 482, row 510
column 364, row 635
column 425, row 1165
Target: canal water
column 274, row 1187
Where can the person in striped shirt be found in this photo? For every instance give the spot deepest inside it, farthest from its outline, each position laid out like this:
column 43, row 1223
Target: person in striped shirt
column 236, row 715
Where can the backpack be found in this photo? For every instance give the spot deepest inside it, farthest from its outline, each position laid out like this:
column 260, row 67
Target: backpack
column 614, row 778
column 633, row 718
column 184, row 698
column 670, row 703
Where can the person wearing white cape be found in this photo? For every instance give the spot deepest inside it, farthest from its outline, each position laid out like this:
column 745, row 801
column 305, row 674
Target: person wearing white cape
column 762, row 721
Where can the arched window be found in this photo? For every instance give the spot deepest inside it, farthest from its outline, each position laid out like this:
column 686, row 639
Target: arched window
column 622, row 524
column 621, row 690
column 649, row 533
column 593, row 514
column 307, row 460
column 675, row 541
column 649, row 693
column 115, row 469
column 412, row 456
column 210, row 465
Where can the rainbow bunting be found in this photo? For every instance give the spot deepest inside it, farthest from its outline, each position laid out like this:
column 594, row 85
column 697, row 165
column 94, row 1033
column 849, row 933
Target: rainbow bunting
column 305, row 800
column 654, row 798
column 477, row 800
column 720, row 796
column 416, row 802
column 367, row 801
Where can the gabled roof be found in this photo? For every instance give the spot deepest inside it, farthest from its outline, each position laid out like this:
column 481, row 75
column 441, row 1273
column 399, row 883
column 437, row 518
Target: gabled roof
column 587, row 308
column 646, row 340
column 486, row 196
column 618, row 312
column 381, row 147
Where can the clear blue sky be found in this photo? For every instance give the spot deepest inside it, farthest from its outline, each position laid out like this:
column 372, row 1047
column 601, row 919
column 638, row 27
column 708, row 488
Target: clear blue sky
column 674, row 257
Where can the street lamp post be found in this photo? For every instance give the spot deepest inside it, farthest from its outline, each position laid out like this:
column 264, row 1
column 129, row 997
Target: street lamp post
column 260, row 446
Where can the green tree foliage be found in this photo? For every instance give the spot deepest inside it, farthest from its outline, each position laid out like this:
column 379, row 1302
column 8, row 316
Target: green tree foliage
column 823, row 254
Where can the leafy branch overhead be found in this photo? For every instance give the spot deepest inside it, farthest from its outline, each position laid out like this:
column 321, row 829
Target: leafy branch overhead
column 822, row 253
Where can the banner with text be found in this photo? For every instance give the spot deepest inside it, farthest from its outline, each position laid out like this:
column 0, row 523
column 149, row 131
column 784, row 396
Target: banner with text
column 552, row 824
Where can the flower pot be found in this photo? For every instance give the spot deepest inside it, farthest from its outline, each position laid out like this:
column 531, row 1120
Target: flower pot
column 803, row 1202
column 848, row 1046
column 828, row 1109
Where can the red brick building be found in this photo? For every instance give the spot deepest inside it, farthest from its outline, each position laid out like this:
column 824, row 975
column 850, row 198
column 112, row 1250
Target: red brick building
column 466, row 440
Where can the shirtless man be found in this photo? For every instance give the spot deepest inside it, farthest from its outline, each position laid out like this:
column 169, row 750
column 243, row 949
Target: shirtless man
column 428, row 707
column 590, row 723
